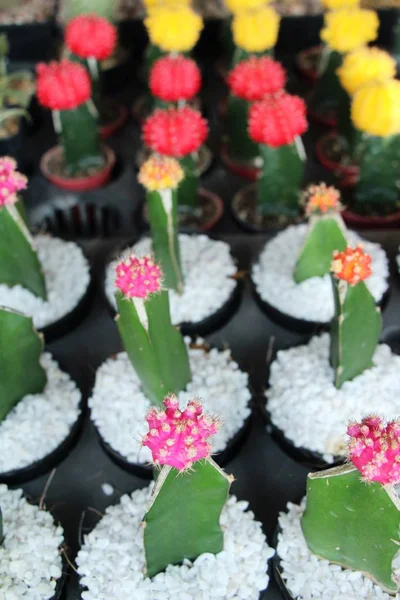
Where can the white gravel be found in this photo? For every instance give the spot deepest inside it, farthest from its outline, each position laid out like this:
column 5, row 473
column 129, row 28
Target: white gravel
column 39, row 423
column 308, row 577
column 207, row 267
column 67, row 275
column 304, row 403
column 30, row 559
column 217, row 381
column 111, row 561
column 311, row 300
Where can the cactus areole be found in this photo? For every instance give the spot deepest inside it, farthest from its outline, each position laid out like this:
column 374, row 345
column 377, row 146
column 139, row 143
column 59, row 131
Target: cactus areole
column 354, row 521
column 183, row 520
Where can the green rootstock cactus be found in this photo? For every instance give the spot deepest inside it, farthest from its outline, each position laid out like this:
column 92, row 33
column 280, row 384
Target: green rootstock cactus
column 326, row 233
column 357, row 324
column 155, row 348
column 20, row 370
column 183, row 519
column 19, row 263
column 328, row 95
column 355, row 522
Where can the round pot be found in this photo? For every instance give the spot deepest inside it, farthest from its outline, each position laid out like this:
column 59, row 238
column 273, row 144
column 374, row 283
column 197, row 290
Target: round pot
column 307, row 62
column 77, row 184
column 117, row 123
column 358, row 221
column 326, row 117
column 248, row 169
column 340, row 169
column 246, row 214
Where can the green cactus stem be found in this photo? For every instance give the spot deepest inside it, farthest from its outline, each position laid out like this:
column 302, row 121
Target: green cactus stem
column 188, row 188
column 355, row 330
column 155, row 348
column 325, row 235
column 19, row 263
column 353, row 524
column 82, row 153
column 328, row 94
column 240, row 146
column 278, row 187
column 377, row 190
column 101, row 8
column 183, row 520
column 20, row 370
column 163, row 218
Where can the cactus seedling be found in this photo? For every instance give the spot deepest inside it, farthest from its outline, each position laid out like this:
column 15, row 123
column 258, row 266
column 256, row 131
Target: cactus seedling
column 325, row 235
column 155, row 348
column 19, row 263
column 357, row 323
column 355, row 521
column 20, row 370
column 161, row 176
column 183, row 520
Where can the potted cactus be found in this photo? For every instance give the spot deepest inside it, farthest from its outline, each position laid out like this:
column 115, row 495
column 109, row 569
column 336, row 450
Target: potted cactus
column 157, row 360
column 249, row 81
column 79, row 162
column 292, row 274
column 181, row 133
column 344, row 30
column 336, row 375
column 255, row 32
column 275, row 123
column 211, row 290
column 92, row 39
column 346, row 504
column 39, row 404
column 176, row 531
column 33, row 274
column 337, row 150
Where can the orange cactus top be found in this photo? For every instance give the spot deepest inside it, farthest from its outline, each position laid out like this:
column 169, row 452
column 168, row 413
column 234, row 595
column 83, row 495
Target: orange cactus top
column 160, row 173
column 353, row 265
column 321, row 199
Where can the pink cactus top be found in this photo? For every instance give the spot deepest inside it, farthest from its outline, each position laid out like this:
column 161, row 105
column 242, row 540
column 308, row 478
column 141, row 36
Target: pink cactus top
column 11, row 181
column 138, row 277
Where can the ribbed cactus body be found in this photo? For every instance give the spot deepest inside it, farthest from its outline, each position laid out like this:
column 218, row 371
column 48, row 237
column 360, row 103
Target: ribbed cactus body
column 19, row 263
column 328, row 94
column 79, row 137
column 353, row 523
column 183, row 520
column 20, row 370
column 188, row 187
column 241, row 147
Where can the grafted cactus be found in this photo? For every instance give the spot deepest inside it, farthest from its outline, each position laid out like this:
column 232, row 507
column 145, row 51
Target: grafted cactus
column 183, row 519
column 326, row 233
column 20, row 370
column 155, row 347
column 357, row 323
column 355, row 522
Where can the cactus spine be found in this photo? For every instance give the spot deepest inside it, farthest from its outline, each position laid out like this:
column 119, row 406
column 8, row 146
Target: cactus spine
column 155, row 348
column 183, row 519
column 357, row 323
column 20, row 368
column 352, row 522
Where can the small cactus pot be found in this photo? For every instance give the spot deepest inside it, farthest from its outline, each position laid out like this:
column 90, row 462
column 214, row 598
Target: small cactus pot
column 331, row 154
column 307, row 62
column 116, row 123
column 250, row 169
column 359, row 221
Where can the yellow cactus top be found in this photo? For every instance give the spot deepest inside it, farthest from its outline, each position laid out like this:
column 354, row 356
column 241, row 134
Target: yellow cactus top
column 236, row 6
column 174, row 28
column 376, row 108
column 364, row 65
column 256, row 30
column 349, row 28
column 336, row 4
column 160, row 173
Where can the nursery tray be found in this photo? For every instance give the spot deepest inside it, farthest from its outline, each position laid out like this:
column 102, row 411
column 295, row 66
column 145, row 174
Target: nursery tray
column 265, row 475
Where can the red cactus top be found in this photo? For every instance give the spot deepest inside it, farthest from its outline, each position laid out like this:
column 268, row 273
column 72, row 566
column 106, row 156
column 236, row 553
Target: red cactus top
column 277, row 119
column 91, row 36
column 179, row 437
column 374, row 449
column 62, row 85
column 322, row 199
column 352, row 265
column 255, row 78
column 11, row 181
column 138, row 277
column 175, row 132
column 175, row 78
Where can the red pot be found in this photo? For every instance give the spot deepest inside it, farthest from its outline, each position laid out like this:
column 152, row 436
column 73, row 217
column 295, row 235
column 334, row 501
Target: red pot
column 306, row 62
column 240, row 168
column 219, row 208
column 110, row 128
column 77, row 184
column 347, row 172
column 357, row 221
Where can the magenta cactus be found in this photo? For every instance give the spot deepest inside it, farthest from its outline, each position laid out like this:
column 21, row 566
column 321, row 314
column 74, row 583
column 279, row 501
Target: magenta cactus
column 179, row 438
column 374, row 449
column 138, row 277
column 11, row 181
